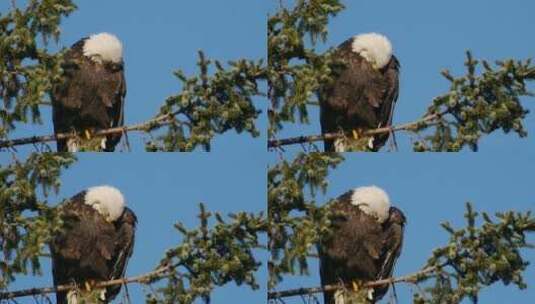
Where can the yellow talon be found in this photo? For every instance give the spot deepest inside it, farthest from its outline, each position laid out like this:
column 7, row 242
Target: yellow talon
column 87, row 286
column 87, row 134
column 356, row 286
column 356, row 134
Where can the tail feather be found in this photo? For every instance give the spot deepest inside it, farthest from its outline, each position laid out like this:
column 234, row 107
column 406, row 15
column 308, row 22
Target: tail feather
column 72, row 297
column 93, row 296
column 339, row 297
column 344, row 296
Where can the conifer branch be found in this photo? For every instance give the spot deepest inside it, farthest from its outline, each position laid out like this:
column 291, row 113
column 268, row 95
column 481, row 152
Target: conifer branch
column 275, row 143
column 141, row 279
column 410, row 278
column 157, row 122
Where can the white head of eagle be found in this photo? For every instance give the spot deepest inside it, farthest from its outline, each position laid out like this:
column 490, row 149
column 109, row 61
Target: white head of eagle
column 373, row 201
column 107, row 200
column 103, row 47
column 373, row 47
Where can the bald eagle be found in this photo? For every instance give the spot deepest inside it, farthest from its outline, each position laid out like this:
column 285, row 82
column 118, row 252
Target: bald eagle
column 94, row 245
column 365, row 244
column 92, row 95
column 362, row 94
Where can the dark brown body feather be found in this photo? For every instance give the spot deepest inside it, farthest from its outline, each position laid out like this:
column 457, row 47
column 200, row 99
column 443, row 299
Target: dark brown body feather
column 91, row 248
column 360, row 248
column 91, row 97
column 360, row 97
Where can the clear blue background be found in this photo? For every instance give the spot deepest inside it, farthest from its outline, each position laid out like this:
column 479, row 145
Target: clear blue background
column 159, row 38
column 430, row 189
column 429, row 36
column 162, row 190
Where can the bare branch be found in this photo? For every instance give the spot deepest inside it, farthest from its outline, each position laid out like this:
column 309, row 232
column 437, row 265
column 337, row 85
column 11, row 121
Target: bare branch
column 142, row 279
column 410, row 278
column 159, row 121
column 274, row 143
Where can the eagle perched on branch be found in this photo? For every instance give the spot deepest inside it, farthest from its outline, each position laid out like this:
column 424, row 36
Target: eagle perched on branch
column 94, row 246
column 365, row 243
column 362, row 95
column 91, row 97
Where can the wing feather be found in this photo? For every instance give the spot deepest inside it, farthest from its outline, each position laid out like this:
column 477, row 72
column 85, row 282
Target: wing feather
column 393, row 242
column 353, row 250
column 124, row 247
column 389, row 101
column 82, row 250
column 359, row 97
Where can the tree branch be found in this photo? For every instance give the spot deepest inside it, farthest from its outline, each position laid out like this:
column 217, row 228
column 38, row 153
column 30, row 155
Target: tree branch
column 274, row 143
column 144, row 278
column 410, row 278
column 159, row 121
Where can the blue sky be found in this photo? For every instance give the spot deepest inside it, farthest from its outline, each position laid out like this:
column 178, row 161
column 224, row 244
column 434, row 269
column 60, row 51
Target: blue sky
column 160, row 38
column 430, row 189
column 429, row 36
column 163, row 190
